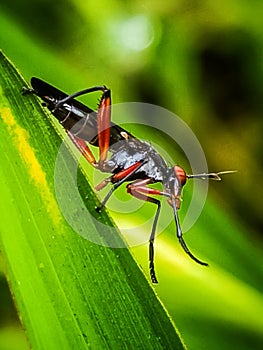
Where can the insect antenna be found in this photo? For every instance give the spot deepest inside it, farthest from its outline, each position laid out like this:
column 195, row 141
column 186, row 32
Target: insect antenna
column 212, row 176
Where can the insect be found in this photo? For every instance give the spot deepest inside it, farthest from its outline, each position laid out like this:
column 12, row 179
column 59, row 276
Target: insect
column 125, row 157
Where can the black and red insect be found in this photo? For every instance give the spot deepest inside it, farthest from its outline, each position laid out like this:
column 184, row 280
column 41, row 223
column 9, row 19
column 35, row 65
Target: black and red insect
column 125, row 157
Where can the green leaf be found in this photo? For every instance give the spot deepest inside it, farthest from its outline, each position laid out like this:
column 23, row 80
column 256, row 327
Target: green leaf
column 70, row 293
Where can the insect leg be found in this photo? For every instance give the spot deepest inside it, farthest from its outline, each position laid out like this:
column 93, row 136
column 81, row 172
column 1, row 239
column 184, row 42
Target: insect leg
column 80, row 93
column 119, row 179
column 104, row 122
column 140, row 190
column 83, row 148
column 103, row 117
column 180, row 235
column 28, row 91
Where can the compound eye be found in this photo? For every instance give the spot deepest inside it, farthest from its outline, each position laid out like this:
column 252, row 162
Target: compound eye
column 180, row 174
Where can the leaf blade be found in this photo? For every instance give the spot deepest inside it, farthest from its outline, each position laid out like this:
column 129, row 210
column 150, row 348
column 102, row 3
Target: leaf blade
column 70, row 292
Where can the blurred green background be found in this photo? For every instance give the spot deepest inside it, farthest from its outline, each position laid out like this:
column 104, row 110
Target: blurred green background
column 204, row 62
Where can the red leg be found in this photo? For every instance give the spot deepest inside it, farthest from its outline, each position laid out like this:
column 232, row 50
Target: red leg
column 140, row 187
column 104, row 121
column 118, row 179
column 83, row 148
column 140, row 190
column 128, row 172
